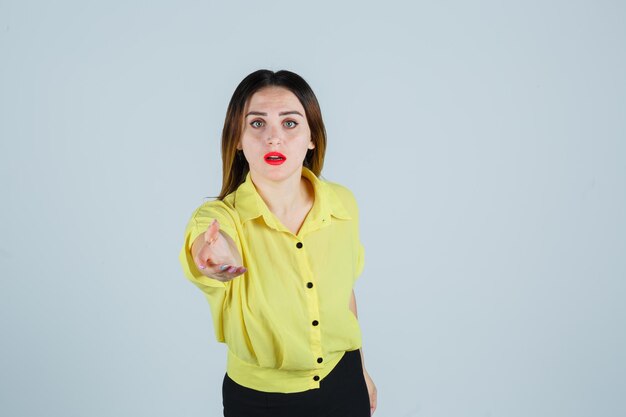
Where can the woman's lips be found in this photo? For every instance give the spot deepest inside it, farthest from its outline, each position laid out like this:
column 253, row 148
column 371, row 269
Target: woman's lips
column 274, row 158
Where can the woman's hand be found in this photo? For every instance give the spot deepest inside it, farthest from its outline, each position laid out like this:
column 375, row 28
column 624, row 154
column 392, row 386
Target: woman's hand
column 371, row 389
column 216, row 255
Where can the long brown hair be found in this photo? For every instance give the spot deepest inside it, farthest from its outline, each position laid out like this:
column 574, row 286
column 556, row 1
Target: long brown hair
column 234, row 164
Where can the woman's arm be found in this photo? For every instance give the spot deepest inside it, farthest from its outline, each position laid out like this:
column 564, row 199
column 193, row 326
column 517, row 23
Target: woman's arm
column 371, row 388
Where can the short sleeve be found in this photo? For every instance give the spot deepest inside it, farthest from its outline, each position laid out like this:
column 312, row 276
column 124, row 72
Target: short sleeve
column 214, row 290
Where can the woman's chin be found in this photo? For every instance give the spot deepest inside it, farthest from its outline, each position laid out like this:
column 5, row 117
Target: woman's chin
column 276, row 173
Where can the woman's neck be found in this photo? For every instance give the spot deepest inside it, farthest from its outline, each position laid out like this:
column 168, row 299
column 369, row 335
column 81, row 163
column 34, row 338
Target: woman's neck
column 284, row 197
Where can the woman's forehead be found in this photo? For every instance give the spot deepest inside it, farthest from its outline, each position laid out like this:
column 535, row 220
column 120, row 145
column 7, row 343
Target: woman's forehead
column 274, row 98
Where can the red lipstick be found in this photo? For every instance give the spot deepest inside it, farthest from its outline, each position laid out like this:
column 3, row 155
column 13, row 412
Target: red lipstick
column 274, row 158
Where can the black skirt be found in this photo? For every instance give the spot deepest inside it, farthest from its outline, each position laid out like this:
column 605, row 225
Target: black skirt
column 342, row 393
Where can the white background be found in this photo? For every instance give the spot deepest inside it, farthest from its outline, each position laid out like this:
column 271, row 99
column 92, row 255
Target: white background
column 484, row 141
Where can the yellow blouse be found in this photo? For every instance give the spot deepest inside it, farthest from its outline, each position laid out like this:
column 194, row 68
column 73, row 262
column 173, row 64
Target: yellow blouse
column 286, row 321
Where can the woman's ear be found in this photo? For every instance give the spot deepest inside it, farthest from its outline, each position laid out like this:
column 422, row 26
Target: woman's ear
column 311, row 145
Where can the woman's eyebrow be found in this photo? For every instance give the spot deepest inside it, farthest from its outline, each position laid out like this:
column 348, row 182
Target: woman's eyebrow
column 258, row 113
column 290, row 112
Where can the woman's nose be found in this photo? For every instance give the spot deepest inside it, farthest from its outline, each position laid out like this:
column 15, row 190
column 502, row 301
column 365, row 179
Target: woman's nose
column 273, row 137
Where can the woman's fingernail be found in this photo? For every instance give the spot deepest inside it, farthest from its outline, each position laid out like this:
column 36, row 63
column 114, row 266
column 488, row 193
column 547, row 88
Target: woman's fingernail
column 232, row 269
column 201, row 266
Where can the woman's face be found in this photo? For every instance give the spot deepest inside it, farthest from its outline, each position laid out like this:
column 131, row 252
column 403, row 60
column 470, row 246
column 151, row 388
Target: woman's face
column 276, row 135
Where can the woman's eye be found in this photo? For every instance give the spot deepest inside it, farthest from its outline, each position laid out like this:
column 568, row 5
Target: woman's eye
column 256, row 123
column 290, row 124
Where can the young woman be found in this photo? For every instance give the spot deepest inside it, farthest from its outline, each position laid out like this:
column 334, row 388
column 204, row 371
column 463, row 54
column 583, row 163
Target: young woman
column 277, row 255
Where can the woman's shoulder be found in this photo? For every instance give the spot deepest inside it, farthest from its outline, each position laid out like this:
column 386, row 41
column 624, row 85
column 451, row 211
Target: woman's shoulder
column 214, row 209
column 341, row 193
column 211, row 210
column 339, row 189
